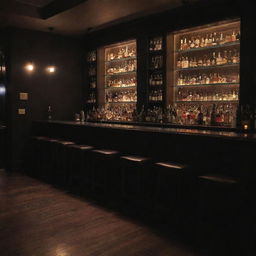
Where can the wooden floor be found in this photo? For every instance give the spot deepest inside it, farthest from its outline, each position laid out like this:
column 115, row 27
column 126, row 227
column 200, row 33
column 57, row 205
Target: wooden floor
column 39, row 220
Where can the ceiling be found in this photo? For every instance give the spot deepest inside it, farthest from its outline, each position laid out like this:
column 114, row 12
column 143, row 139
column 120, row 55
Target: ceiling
column 74, row 17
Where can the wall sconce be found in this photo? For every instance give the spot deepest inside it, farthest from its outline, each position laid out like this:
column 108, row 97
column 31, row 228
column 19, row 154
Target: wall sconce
column 51, row 69
column 2, row 89
column 30, row 67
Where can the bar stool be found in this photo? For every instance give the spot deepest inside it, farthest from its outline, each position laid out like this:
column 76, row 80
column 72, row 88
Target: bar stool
column 169, row 195
column 35, row 161
column 78, row 172
column 46, row 158
column 134, row 171
column 59, row 168
column 104, row 166
column 219, row 199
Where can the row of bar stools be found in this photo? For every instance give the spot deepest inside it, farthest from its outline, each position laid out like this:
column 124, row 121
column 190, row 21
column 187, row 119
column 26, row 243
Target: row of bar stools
column 103, row 166
column 79, row 175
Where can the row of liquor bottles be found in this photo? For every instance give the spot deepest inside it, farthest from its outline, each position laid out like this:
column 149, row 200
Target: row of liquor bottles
column 155, row 95
column 227, row 115
column 92, row 98
column 121, row 96
column 122, row 112
column 202, row 95
column 126, row 51
column 156, row 44
column 208, row 40
column 127, row 66
column 156, row 79
column 211, row 78
column 121, row 82
column 222, row 58
column 92, row 57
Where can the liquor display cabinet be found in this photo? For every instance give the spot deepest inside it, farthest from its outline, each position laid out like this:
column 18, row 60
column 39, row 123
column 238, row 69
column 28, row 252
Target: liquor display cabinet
column 91, row 99
column 192, row 78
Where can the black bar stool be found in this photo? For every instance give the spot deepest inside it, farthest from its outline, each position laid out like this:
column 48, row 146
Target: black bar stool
column 59, row 168
column 219, row 199
column 78, row 174
column 134, row 171
column 169, row 194
column 104, row 166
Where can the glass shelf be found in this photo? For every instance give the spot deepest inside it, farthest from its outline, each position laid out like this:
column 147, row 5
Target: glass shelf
column 122, row 102
column 121, row 73
column 206, row 85
column 207, row 101
column 210, row 67
column 121, row 87
column 209, row 47
column 120, row 60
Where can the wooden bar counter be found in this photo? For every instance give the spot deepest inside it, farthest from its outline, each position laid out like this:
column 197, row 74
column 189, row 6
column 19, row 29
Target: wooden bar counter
column 207, row 151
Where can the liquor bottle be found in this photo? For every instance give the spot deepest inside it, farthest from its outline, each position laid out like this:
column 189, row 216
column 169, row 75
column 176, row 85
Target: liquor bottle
column 200, row 117
column 213, row 115
column 49, row 112
column 213, row 60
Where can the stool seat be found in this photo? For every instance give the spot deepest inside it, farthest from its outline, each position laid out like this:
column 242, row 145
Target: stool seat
column 106, row 151
column 135, row 158
column 81, row 147
column 171, row 165
column 219, row 179
column 65, row 142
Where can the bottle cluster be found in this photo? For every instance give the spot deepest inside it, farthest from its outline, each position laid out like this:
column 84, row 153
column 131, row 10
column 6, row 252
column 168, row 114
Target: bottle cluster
column 210, row 115
column 208, row 40
column 92, row 83
column 121, row 52
column 91, row 98
column 155, row 95
column 156, row 79
column 91, row 57
column 127, row 66
column 202, row 95
column 121, row 96
column 221, row 58
column 156, row 44
column 211, row 78
column 156, row 62
column 92, row 71
column 122, row 82
column 124, row 112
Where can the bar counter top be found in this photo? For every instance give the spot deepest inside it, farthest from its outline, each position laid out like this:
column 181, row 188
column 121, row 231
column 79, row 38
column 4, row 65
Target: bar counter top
column 156, row 129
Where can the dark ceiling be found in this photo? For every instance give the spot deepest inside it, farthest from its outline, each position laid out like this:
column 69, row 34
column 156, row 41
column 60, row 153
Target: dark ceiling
column 77, row 16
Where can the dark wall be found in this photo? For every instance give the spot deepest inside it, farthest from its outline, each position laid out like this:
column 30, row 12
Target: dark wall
column 62, row 90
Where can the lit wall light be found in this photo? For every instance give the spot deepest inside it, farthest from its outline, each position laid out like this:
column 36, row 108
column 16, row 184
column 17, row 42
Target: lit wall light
column 2, row 89
column 30, row 67
column 51, row 69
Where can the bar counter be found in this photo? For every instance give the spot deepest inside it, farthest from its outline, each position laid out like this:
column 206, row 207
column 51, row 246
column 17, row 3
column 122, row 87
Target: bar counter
column 228, row 134
column 226, row 152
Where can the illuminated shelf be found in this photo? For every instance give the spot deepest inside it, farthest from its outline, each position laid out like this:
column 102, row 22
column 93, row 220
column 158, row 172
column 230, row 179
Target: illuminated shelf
column 207, row 101
column 121, row 87
column 122, row 59
column 209, row 47
column 210, row 67
column 207, row 85
column 122, row 102
column 122, row 73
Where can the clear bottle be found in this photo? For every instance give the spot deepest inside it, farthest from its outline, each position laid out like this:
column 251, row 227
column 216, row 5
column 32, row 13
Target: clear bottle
column 49, row 113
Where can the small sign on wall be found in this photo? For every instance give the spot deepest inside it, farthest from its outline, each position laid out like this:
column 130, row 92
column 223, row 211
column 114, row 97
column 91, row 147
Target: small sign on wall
column 22, row 111
column 23, row 96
